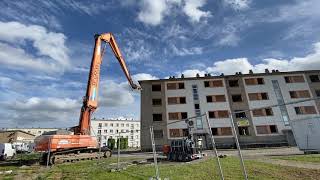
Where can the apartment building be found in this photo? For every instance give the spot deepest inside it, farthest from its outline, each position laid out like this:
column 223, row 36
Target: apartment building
column 106, row 129
column 166, row 102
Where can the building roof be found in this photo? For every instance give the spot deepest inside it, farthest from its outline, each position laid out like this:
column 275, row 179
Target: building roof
column 124, row 120
column 14, row 131
column 238, row 74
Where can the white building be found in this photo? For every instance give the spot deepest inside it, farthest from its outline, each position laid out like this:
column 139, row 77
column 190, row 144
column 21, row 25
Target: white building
column 106, row 129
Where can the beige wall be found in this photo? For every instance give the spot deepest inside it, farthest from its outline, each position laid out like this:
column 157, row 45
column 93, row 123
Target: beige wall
column 146, row 115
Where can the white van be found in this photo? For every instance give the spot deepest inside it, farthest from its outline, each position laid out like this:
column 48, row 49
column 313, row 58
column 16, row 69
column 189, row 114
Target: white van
column 7, row 150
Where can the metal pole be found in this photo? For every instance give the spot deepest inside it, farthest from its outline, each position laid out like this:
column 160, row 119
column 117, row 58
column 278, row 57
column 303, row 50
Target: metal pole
column 49, row 150
column 118, row 165
column 238, row 147
column 214, row 147
column 154, row 153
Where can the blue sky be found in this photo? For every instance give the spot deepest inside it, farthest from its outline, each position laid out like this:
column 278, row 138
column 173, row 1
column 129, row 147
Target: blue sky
column 46, row 48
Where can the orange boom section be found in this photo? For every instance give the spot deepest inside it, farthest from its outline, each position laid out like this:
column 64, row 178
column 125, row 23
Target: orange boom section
column 59, row 142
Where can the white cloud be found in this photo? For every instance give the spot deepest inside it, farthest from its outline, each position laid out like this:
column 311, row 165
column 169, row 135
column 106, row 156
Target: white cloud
column 191, row 8
column 191, row 73
column 137, row 51
column 143, row 76
column 230, row 39
column 185, row 51
column 230, row 66
column 238, row 4
column 51, row 52
column 37, row 110
column 152, row 12
column 115, row 94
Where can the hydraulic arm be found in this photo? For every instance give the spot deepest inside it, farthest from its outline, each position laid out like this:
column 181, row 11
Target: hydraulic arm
column 90, row 100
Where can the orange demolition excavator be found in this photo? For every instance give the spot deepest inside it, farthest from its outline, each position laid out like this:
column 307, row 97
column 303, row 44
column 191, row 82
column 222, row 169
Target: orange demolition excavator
column 59, row 148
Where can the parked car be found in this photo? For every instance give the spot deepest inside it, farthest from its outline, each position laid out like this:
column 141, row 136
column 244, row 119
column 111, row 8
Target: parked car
column 7, row 150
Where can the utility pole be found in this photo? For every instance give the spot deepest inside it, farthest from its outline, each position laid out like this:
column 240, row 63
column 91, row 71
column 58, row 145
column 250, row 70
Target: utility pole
column 235, row 135
column 214, row 147
column 154, row 154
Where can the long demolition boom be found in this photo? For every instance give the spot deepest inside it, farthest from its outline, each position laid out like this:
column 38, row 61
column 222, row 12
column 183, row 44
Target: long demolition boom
column 90, row 100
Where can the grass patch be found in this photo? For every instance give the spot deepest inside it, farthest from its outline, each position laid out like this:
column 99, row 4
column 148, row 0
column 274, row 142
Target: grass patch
column 205, row 169
column 313, row 158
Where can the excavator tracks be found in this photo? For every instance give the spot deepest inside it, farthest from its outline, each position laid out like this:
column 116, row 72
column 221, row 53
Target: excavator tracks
column 75, row 155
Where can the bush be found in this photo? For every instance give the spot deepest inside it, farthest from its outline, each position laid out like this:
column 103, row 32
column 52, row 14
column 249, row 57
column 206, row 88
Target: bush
column 111, row 143
column 123, row 143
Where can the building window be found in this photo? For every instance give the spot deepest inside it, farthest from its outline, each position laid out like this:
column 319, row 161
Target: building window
column 156, row 102
column 240, row 114
column 216, row 98
column 99, row 132
column 214, row 131
column 236, row 98
column 185, row 132
column 206, row 84
column 117, row 131
column 273, row 129
column 184, row 115
column 173, row 86
column 182, row 100
column 234, row 83
column 117, row 124
column 105, row 131
column 213, row 84
column 243, row 131
column 223, row 131
column 177, row 115
column 158, row 134
column 305, row 110
column 127, row 125
column 262, row 112
column 111, row 124
column 258, row 96
column 254, row 81
column 314, row 78
column 219, row 114
column 157, row 117
column 100, row 125
column 122, row 125
column 180, row 85
column 267, row 129
column 156, row 87
column 317, row 91
column 299, row 94
column 195, row 92
column 174, row 133
column 196, row 106
column 105, row 124
column 294, row 79
column 111, row 131
column 176, row 100
column 209, row 99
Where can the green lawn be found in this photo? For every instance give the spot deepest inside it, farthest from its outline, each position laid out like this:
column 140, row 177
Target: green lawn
column 197, row 170
column 313, row 158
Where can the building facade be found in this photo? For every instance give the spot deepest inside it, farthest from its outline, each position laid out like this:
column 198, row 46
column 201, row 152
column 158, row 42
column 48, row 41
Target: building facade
column 252, row 98
column 13, row 136
column 111, row 129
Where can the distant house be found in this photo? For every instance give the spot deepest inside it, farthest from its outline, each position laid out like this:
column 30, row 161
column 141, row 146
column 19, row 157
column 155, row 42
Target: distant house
column 16, row 136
